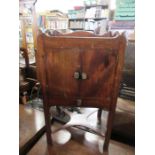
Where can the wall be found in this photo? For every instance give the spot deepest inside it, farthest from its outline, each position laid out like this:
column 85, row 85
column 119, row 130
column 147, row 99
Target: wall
column 62, row 5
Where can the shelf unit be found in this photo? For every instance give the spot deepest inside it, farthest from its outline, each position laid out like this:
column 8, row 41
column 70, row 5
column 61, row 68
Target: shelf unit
column 89, row 17
column 55, row 20
column 27, row 27
column 124, row 18
column 125, row 10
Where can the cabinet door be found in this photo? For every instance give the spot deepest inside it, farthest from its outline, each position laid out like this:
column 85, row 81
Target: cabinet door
column 61, row 64
column 98, row 65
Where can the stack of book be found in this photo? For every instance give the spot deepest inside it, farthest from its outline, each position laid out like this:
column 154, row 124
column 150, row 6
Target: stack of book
column 53, row 20
column 125, row 10
column 78, row 13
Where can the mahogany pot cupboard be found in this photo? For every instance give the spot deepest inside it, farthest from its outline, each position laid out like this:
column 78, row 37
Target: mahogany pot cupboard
column 80, row 69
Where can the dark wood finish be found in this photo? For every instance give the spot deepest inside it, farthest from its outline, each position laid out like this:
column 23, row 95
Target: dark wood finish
column 99, row 114
column 27, row 77
column 27, row 70
column 98, row 61
column 24, row 86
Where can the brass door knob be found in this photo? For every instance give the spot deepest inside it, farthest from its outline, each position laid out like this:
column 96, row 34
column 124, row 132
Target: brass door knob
column 77, row 75
column 84, row 76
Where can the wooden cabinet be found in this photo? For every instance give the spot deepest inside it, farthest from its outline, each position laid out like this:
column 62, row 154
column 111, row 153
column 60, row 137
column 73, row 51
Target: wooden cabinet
column 80, row 69
column 84, row 69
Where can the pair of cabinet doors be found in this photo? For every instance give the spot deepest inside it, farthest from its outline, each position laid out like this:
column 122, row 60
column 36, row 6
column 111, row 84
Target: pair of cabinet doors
column 78, row 71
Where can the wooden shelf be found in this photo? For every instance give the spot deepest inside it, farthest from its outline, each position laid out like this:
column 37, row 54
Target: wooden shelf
column 26, row 16
column 76, row 28
column 91, row 17
column 28, row 23
column 72, row 19
column 83, row 19
column 96, row 5
column 100, row 18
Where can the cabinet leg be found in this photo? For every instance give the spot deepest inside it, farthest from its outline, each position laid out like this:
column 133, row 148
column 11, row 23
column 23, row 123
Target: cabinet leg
column 108, row 130
column 48, row 125
column 99, row 114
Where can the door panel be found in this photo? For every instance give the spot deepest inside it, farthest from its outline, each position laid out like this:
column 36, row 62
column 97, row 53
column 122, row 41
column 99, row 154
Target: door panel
column 98, row 64
column 61, row 65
